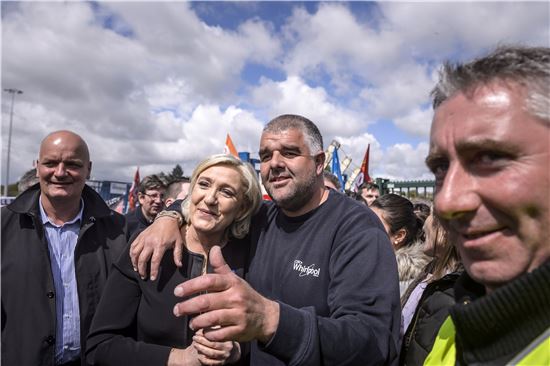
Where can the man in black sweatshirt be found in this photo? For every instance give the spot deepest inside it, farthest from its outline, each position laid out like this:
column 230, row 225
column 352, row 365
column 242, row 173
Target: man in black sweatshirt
column 322, row 284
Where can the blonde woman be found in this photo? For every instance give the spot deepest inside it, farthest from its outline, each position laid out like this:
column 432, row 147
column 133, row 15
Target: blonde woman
column 134, row 323
column 427, row 301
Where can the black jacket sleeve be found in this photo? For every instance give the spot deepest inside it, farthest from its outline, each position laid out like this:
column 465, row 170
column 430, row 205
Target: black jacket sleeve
column 113, row 333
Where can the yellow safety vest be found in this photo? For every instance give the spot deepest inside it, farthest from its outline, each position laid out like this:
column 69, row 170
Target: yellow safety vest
column 443, row 353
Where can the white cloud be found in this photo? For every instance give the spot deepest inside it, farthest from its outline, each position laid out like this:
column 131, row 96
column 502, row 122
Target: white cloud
column 151, row 84
column 442, row 29
column 417, row 122
column 131, row 90
column 181, row 45
column 403, row 91
column 404, row 162
column 333, row 41
column 295, row 96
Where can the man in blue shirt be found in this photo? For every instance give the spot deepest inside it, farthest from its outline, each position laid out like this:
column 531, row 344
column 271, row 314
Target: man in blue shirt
column 58, row 242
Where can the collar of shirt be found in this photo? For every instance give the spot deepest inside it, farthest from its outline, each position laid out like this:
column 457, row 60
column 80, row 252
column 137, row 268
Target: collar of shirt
column 45, row 219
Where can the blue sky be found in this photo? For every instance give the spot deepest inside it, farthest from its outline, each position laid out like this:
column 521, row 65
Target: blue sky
column 152, row 84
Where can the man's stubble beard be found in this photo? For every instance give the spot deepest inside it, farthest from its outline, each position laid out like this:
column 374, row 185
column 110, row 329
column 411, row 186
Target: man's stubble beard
column 299, row 196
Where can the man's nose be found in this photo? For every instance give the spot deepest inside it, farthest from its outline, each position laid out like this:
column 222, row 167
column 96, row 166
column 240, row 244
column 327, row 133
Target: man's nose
column 457, row 194
column 60, row 170
column 277, row 160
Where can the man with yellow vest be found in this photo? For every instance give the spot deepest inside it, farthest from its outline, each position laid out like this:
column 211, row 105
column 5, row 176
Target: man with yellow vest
column 490, row 154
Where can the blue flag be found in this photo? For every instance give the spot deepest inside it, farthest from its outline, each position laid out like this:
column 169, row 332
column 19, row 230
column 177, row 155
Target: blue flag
column 336, row 168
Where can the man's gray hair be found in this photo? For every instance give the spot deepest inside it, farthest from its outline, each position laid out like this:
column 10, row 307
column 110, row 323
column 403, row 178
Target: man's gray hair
column 151, row 182
column 285, row 122
column 528, row 66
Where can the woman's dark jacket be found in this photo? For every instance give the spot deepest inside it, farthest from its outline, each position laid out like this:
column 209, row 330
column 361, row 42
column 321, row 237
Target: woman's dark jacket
column 135, row 325
column 431, row 312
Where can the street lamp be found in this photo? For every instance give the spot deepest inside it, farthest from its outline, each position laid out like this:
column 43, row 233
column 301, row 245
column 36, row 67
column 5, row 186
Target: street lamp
column 13, row 92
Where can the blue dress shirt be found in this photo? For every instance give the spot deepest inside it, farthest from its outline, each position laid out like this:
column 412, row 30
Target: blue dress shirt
column 62, row 241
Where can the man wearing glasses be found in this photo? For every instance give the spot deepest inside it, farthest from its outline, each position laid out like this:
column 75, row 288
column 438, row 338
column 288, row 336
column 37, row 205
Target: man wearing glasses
column 151, row 202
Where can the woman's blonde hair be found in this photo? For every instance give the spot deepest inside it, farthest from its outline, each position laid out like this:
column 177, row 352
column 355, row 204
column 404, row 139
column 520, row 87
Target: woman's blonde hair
column 252, row 194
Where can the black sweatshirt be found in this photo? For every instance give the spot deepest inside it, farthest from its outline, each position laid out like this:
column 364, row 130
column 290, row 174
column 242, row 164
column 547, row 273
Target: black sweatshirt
column 334, row 274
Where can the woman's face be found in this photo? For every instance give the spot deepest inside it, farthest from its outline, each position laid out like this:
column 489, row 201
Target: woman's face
column 216, row 199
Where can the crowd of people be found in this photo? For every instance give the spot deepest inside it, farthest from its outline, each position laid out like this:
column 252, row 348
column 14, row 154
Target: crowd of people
column 206, row 272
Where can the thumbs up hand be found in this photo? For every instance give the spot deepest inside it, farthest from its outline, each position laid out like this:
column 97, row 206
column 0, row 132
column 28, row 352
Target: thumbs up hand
column 230, row 309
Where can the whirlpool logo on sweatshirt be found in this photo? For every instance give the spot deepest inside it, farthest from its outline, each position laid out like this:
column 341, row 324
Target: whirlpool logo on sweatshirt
column 304, row 270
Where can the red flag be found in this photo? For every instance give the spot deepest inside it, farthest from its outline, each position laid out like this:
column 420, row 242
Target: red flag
column 365, row 166
column 230, row 148
column 119, row 206
column 132, row 195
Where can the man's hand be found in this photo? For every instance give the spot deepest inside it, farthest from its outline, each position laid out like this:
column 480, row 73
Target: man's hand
column 161, row 235
column 231, row 309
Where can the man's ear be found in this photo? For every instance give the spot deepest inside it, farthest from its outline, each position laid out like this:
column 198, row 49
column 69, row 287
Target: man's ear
column 89, row 170
column 36, row 165
column 320, row 162
column 141, row 198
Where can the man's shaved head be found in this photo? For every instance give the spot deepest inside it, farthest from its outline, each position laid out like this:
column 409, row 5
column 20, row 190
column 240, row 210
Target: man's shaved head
column 64, row 136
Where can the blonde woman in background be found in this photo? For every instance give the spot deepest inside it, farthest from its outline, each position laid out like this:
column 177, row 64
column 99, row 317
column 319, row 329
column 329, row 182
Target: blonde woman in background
column 427, row 301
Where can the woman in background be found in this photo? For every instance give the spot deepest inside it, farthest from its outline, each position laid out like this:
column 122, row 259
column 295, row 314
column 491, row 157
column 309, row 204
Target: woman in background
column 404, row 228
column 427, row 301
column 134, row 323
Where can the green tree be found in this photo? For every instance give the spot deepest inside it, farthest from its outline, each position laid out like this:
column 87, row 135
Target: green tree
column 177, row 172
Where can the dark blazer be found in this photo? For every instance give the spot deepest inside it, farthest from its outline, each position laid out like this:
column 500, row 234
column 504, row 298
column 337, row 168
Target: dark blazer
column 134, row 323
column 136, row 222
column 28, row 293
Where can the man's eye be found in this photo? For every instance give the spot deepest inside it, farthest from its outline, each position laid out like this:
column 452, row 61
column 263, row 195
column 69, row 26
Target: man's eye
column 49, row 164
column 265, row 158
column 289, row 154
column 490, row 157
column 439, row 170
column 487, row 162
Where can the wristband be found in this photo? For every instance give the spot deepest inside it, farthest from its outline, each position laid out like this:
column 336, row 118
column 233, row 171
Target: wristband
column 172, row 214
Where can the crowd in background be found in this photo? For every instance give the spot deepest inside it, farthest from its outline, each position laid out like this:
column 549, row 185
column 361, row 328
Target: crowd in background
column 428, row 264
column 311, row 277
